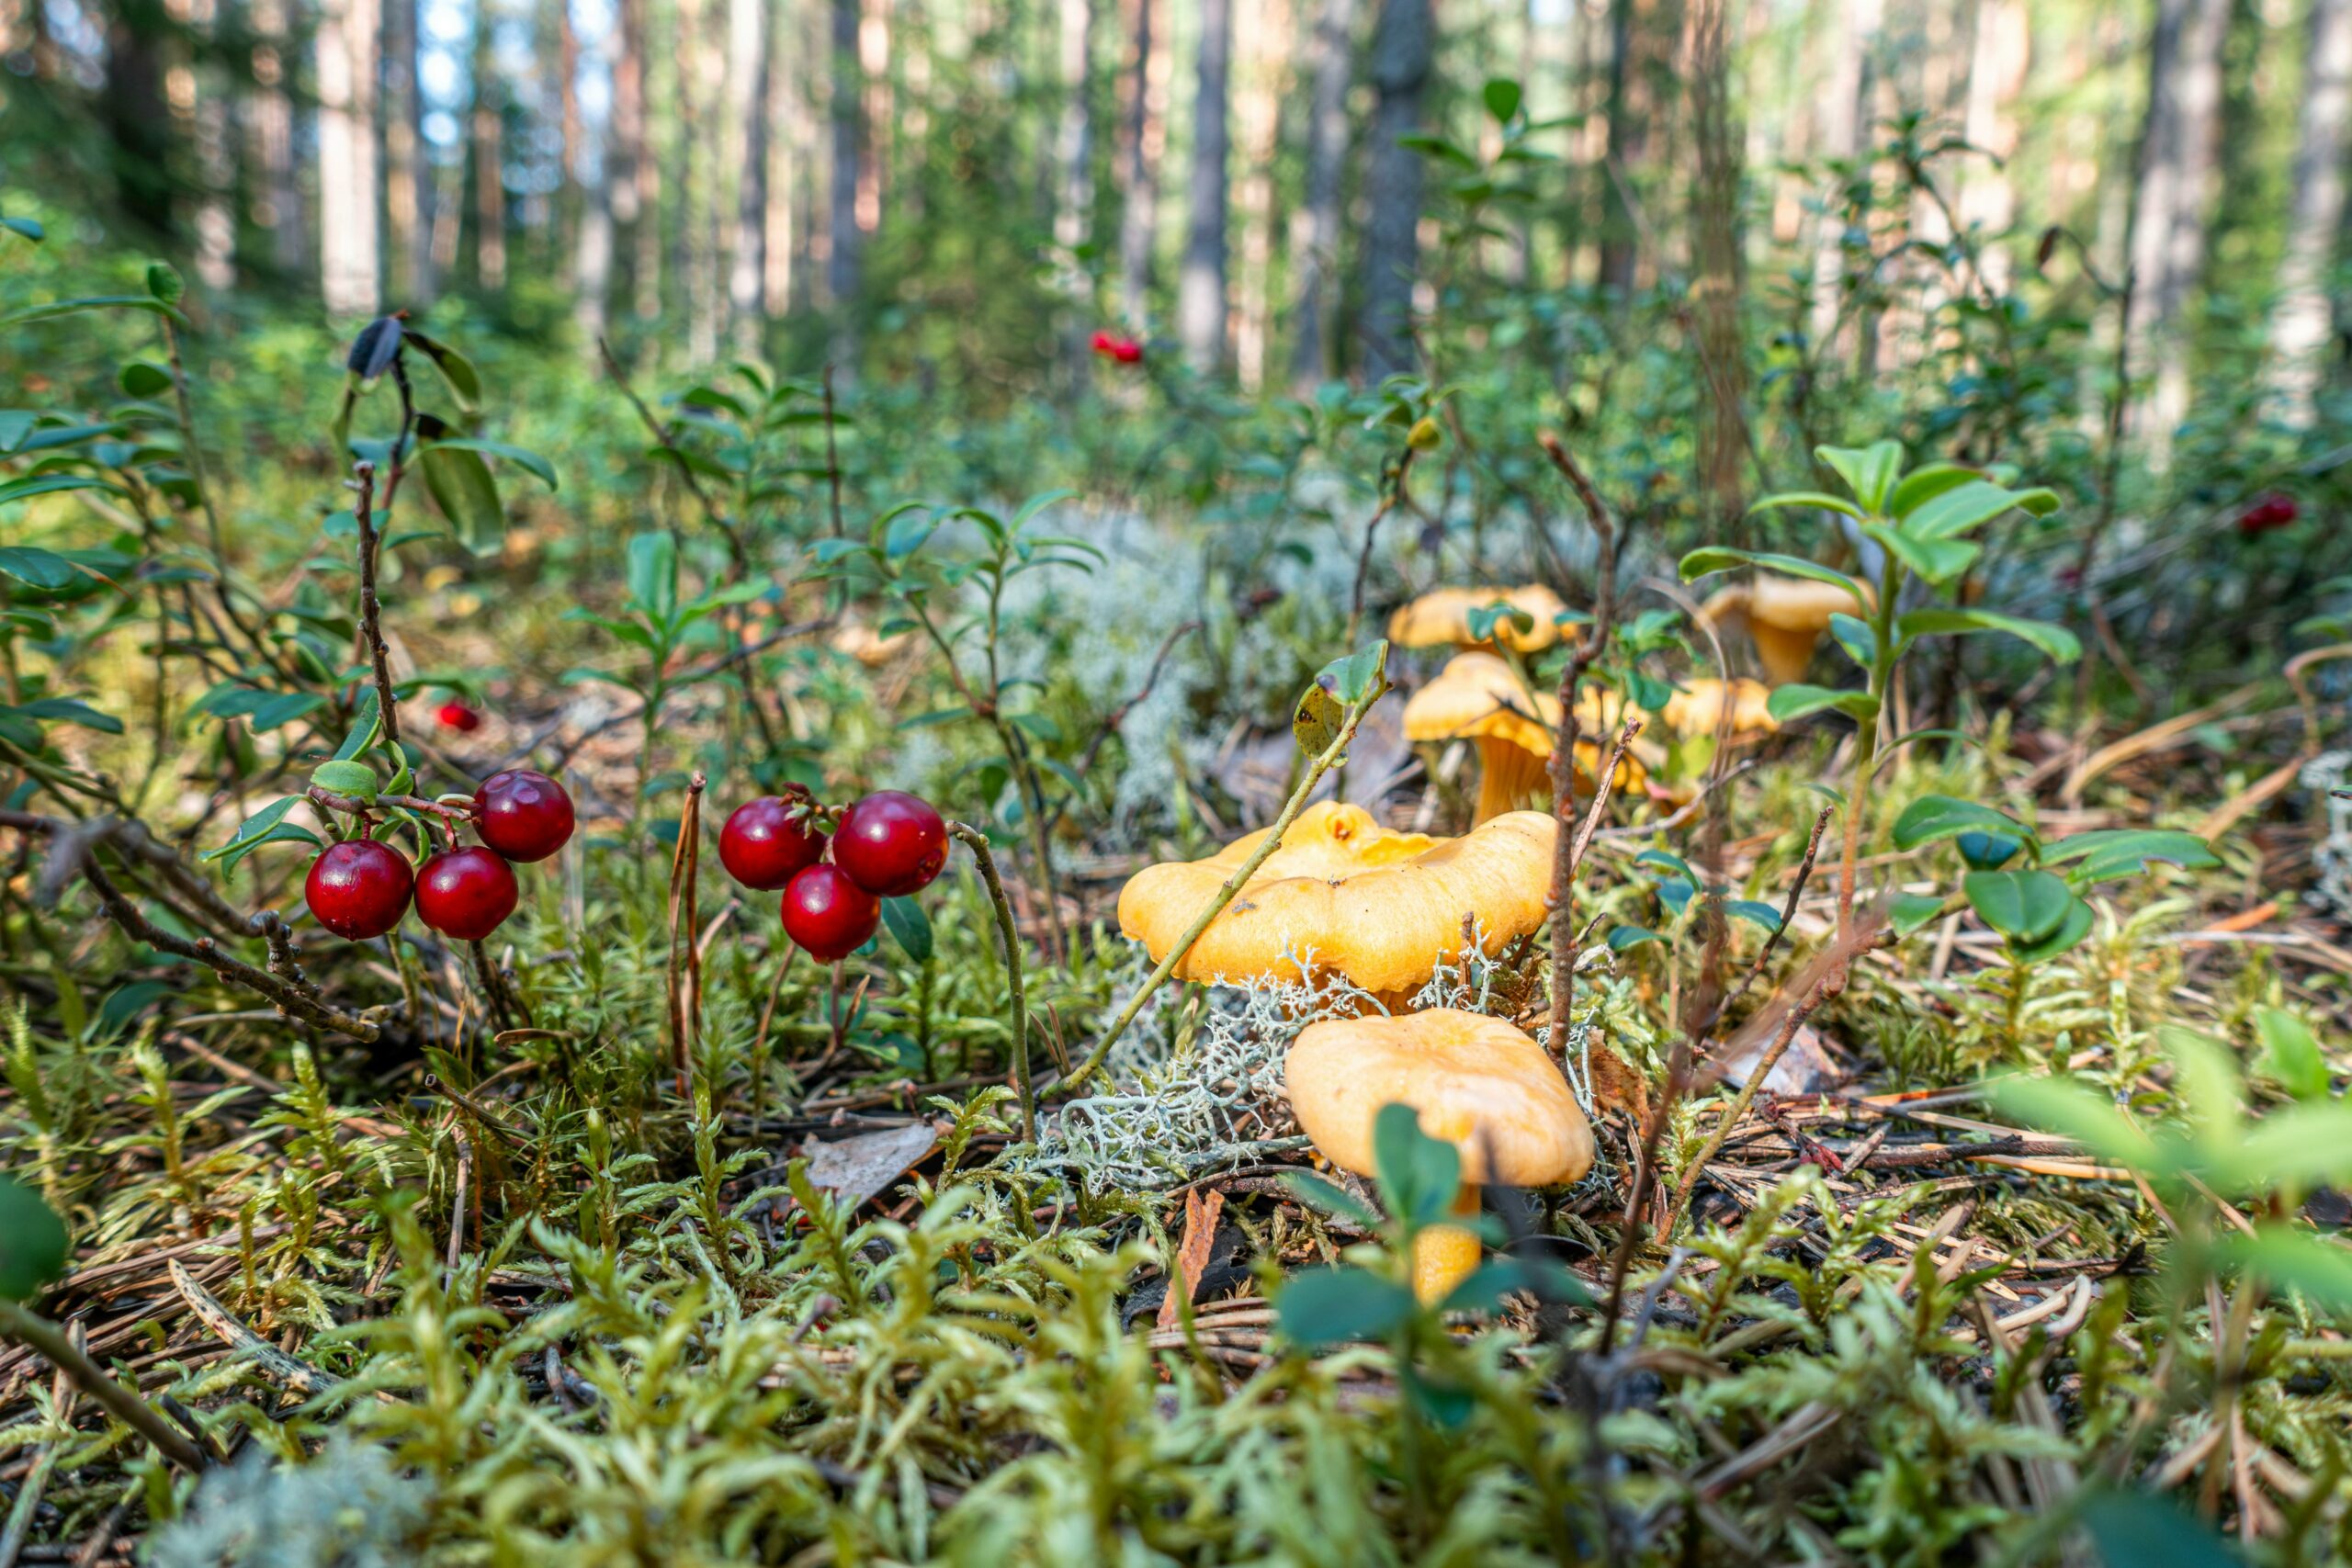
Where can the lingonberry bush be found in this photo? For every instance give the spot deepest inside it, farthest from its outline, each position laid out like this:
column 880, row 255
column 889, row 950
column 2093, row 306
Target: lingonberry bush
column 1955, row 1158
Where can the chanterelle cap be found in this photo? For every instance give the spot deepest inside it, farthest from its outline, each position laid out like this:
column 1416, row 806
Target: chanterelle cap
column 1475, row 1081
column 1442, row 616
column 1381, row 908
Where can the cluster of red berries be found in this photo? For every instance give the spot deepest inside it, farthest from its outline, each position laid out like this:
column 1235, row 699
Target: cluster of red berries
column 1116, row 345
column 2272, row 511
column 360, row 889
column 884, row 846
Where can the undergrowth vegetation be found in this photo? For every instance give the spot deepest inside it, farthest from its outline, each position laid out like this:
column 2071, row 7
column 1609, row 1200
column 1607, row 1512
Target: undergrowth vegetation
column 1966, row 1146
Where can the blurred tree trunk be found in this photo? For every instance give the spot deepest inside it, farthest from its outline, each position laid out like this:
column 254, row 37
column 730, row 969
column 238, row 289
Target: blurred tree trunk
column 788, row 155
column 1401, row 45
column 200, row 102
column 1643, row 47
column 1841, row 132
column 1201, row 281
column 880, row 114
column 2301, row 321
column 489, row 157
column 844, row 244
column 636, row 179
column 410, row 247
column 747, row 66
column 2174, row 192
column 600, row 175
column 270, row 124
column 345, row 63
column 1315, row 249
column 1147, row 136
column 1264, row 52
column 1074, row 150
column 698, row 152
column 571, row 209
column 136, row 113
column 1999, row 56
column 1716, row 280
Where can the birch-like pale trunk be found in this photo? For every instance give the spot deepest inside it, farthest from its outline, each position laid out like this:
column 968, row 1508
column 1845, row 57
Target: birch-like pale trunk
column 2170, row 206
column 2302, row 320
column 344, row 48
column 1201, row 281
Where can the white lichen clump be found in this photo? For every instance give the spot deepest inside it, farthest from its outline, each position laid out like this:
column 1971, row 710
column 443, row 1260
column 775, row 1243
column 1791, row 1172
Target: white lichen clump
column 347, row 1508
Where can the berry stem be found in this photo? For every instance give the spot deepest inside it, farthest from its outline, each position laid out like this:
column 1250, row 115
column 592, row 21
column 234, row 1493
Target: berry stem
column 978, row 843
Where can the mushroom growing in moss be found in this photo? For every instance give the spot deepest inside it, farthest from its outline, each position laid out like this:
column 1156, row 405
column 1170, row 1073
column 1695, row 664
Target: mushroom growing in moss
column 1697, row 707
column 1785, row 617
column 1473, row 1081
column 1442, row 616
column 1346, row 896
column 1476, row 697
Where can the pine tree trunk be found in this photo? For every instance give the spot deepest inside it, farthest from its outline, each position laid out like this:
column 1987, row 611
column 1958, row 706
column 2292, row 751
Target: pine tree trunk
column 1401, row 45
column 270, row 125
column 747, row 65
column 409, row 246
column 2301, row 322
column 135, row 110
column 1715, row 283
column 1201, row 281
column 1147, row 134
column 598, row 173
column 489, row 160
column 844, row 244
column 2173, row 195
column 1074, row 150
column 345, row 45
column 1998, row 60
column 1264, row 52
column 1840, row 132
column 1316, row 250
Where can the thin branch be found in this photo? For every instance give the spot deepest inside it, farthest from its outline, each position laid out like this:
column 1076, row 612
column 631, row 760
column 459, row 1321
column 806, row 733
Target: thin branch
column 48, row 1340
column 665, row 436
column 978, row 844
column 371, row 611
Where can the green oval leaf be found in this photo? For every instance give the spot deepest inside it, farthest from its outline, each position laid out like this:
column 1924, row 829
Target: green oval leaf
column 33, row 1242
column 2024, row 906
column 1934, row 817
column 1796, row 700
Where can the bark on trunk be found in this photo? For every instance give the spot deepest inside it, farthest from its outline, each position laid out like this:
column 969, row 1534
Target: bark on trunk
column 1715, row 285
column 490, row 162
column 844, row 244
column 2169, row 209
column 1400, row 70
column 1147, row 134
column 345, row 44
column 1315, row 249
column 1840, row 133
column 1200, row 284
column 410, row 247
column 270, row 125
column 1998, row 60
column 2301, row 321
column 747, row 64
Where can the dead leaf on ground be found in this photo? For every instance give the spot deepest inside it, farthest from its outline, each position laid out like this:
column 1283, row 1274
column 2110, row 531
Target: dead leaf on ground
column 1191, row 1254
column 866, row 1166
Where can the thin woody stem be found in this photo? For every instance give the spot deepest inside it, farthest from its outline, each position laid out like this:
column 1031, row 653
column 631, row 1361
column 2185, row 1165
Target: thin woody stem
column 53, row 1343
column 1324, row 763
column 371, row 611
column 1022, row 1086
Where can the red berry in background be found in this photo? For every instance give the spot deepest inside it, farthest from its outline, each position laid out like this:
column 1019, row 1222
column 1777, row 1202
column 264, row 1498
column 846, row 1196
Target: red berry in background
column 1102, row 342
column 828, row 914
column 359, row 888
column 764, row 844
column 467, row 893
column 1128, row 350
column 458, row 716
column 2271, row 511
column 523, row 814
column 890, row 843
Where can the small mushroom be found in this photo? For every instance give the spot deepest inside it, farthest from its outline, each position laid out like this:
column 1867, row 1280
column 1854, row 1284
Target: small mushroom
column 1346, row 896
column 868, row 647
column 1697, row 707
column 1473, row 1081
column 1785, row 619
column 1442, row 616
column 1476, row 697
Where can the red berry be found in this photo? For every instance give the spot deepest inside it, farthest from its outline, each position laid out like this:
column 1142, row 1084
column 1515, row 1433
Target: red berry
column 1104, row 341
column 764, row 844
column 359, row 888
column 2271, row 511
column 1128, row 350
column 828, row 914
column 523, row 814
column 467, row 893
column 458, row 716
column 890, row 843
